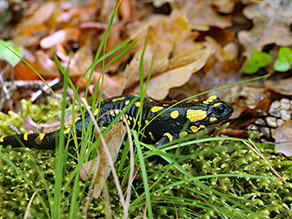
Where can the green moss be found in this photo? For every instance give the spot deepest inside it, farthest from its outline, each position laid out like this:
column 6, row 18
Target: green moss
column 172, row 192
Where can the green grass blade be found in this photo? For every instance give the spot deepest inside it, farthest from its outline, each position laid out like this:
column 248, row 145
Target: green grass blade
column 144, row 175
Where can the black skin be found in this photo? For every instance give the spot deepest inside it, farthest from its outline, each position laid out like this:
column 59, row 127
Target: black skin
column 166, row 120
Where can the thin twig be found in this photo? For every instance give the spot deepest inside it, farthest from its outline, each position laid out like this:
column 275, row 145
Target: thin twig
column 256, row 150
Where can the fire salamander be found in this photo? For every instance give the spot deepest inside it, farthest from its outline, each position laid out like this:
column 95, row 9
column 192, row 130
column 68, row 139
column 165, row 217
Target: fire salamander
column 173, row 122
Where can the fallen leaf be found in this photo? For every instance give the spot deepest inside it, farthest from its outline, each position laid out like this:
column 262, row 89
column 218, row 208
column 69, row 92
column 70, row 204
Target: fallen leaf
column 224, row 6
column 80, row 61
column 111, row 85
column 271, row 24
column 39, row 17
column 57, row 37
column 202, row 16
column 282, row 86
column 163, row 37
column 283, row 138
column 159, row 85
column 45, row 65
column 100, row 165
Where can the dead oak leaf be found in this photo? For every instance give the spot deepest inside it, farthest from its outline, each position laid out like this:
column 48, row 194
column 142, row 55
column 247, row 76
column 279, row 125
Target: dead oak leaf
column 159, row 85
column 100, row 165
column 282, row 86
column 271, row 24
column 163, row 37
column 30, row 30
column 282, row 136
column 202, row 16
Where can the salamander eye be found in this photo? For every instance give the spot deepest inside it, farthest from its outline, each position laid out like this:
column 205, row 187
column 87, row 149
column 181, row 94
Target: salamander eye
column 220, row 109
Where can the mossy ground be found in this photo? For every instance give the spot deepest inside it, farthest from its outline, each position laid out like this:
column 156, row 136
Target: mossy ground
column 172, row 193
column 267, row 197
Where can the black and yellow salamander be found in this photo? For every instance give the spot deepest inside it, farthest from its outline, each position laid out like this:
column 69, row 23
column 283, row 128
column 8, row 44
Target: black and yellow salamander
column 173, row 122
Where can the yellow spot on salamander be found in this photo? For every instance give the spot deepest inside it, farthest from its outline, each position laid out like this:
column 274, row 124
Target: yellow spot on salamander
column 77, row 119
column 39, row 139
column 96, row 111
column 156, row 109
column 67, row 130
column 127, row 102
column 2, row 139
column 211, row 98
column 183, row 134
column 174, row 114
column 119, row 98
column 169, row 136
column 41, row 136
column 25, row 136
column 151, row 136
column 196, row 129
column 138, row 104
column 117, row 111
column 146, row 122
column 196, row 115
column 217, row 104
column 165, row 104
column 213, row 119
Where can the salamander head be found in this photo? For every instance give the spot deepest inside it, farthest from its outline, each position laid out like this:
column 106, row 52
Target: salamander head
column 208, row 112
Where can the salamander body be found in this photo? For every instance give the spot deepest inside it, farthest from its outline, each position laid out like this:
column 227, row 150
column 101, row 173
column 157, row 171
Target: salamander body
column 160, row 123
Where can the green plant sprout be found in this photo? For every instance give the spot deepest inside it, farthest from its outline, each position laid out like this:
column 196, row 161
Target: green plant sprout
column 256, row 61
column 7, row 55
column 284, row 60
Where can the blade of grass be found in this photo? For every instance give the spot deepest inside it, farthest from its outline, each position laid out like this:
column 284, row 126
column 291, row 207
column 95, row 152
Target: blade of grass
column 144, row 175
column 60, row 157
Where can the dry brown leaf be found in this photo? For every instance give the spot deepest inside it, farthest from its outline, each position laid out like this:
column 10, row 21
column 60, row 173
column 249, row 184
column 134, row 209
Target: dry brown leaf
column 111, row 85
column 159, row 86
column 81, row 60
column 163, row 37
column 282, row 86
column 283, row 138
column 40, row 16
column 30, row 30
column 202, row 16
column 227, row 53
column 58, row 37
column 271, row 24
column 44, row 65
column 224, row 6
column 100, row 165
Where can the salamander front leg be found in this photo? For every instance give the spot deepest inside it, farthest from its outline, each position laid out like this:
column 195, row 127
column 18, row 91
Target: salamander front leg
column 167, row 137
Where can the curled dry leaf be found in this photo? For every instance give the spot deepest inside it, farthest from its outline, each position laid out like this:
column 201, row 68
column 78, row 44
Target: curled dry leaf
column 81, row 60
column 202, row 16
column 58, row 37
column 283, row 138
column 163, row 37
column 280, row 86
column 159, row 86
column 224, row 6
column 30, row 30
column 271, row 24
column 100, row 165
